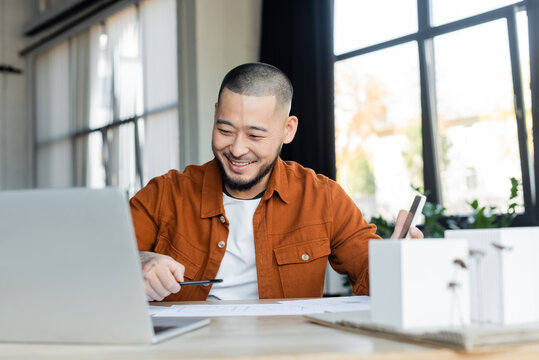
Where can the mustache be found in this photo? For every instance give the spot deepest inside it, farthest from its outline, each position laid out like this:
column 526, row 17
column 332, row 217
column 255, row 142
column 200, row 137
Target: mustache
column 238, row 159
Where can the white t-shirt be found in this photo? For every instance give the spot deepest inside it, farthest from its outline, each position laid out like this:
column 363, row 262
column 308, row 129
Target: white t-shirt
column 238, row 267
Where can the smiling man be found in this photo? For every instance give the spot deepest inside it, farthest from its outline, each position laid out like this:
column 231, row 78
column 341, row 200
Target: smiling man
column 265, row 226
column 250, row 127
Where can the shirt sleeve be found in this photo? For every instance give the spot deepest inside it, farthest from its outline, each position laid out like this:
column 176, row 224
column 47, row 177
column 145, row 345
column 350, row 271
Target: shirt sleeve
column 350, row 240
column 145, row 211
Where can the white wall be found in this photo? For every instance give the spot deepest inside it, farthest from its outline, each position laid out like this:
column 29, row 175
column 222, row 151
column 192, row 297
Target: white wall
column 227, row 35
column 15, row 164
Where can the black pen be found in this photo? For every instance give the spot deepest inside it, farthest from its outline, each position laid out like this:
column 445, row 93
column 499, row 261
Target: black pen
column 200, row 282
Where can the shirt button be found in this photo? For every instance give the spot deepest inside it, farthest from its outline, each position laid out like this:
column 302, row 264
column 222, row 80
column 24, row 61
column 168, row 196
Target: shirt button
column 221, row 244
column 223, row 220
column 305, row 257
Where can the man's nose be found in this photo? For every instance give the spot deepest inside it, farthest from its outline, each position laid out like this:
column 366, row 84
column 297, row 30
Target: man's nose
column 239, row 147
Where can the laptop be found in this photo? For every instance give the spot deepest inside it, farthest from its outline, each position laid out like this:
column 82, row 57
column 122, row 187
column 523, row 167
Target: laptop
column 70, row 271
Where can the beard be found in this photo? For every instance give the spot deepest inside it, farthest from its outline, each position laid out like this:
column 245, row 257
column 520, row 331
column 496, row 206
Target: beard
column 245, row 185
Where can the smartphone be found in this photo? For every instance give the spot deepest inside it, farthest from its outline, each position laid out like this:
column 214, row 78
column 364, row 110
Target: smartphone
column 415, row 211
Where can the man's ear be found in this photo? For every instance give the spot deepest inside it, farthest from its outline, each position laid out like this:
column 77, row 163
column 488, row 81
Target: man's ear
column 290, row 128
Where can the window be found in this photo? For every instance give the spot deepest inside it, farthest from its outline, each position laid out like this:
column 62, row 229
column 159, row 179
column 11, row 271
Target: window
column 477, row 126
column 378, row 127
column 107, row 102
column 434, row 95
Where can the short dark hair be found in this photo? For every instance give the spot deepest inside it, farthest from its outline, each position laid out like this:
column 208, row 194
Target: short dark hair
column 259, row 79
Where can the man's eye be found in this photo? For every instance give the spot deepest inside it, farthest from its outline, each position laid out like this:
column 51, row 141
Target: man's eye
column 255, row 137
column 224, row 132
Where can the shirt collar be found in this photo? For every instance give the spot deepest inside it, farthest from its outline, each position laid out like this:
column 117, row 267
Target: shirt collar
column 278, row 182
column 212, row 188
column 212, row 191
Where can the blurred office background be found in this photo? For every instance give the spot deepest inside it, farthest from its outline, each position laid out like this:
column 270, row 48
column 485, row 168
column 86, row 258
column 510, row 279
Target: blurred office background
column 440, row 95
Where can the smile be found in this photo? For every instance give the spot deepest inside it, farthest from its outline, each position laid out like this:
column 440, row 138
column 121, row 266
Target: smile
column 238, row 163
column 239, row 166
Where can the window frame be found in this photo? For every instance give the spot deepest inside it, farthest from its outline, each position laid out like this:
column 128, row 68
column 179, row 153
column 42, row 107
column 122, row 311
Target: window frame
column 73, row 136
column 424, row 38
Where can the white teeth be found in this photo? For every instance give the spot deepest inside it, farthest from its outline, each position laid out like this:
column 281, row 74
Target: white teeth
column 240, row 163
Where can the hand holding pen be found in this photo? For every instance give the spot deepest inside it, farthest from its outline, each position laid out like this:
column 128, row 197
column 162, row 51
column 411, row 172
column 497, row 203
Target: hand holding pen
column 164, row 276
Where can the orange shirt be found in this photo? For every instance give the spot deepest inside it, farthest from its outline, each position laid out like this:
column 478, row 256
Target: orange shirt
column 303, row 220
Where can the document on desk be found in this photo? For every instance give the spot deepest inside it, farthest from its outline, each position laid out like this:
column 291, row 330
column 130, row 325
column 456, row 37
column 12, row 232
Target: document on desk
column 283, row 307
column 334, row 304
column 469, row 337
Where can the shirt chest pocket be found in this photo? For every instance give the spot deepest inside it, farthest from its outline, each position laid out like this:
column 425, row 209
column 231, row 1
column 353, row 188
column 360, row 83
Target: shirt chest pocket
column 302, row 267
column 180, row 249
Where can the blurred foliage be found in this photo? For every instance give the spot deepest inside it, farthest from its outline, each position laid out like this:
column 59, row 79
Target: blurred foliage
column 436, row 222
column 369, row 116
column 384, row 229
column 434, row 214
column 413, row 153
column 357, row 162
column 484, row 217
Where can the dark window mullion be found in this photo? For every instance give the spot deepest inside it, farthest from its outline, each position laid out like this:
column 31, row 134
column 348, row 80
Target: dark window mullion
column 425, row 30
column 423, row 15
column 138, row 152
column 105, row 155
column 138, row 155
column 377, row 47
column 431, row 176
column 533, row 33
column 473, row 20
column 71, row 103
column 528, row 179
column 108, row 137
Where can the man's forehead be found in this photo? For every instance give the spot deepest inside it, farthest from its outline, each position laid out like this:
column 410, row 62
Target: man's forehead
column 232, row 101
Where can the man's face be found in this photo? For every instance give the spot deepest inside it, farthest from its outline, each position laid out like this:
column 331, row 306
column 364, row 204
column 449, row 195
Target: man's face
column 248, row 134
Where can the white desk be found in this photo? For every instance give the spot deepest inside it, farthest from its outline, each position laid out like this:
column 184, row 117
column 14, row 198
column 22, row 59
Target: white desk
column 269, row 337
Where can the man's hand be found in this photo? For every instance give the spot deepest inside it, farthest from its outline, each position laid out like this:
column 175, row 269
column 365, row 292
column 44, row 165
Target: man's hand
column 415, row 233
column 161, row 274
